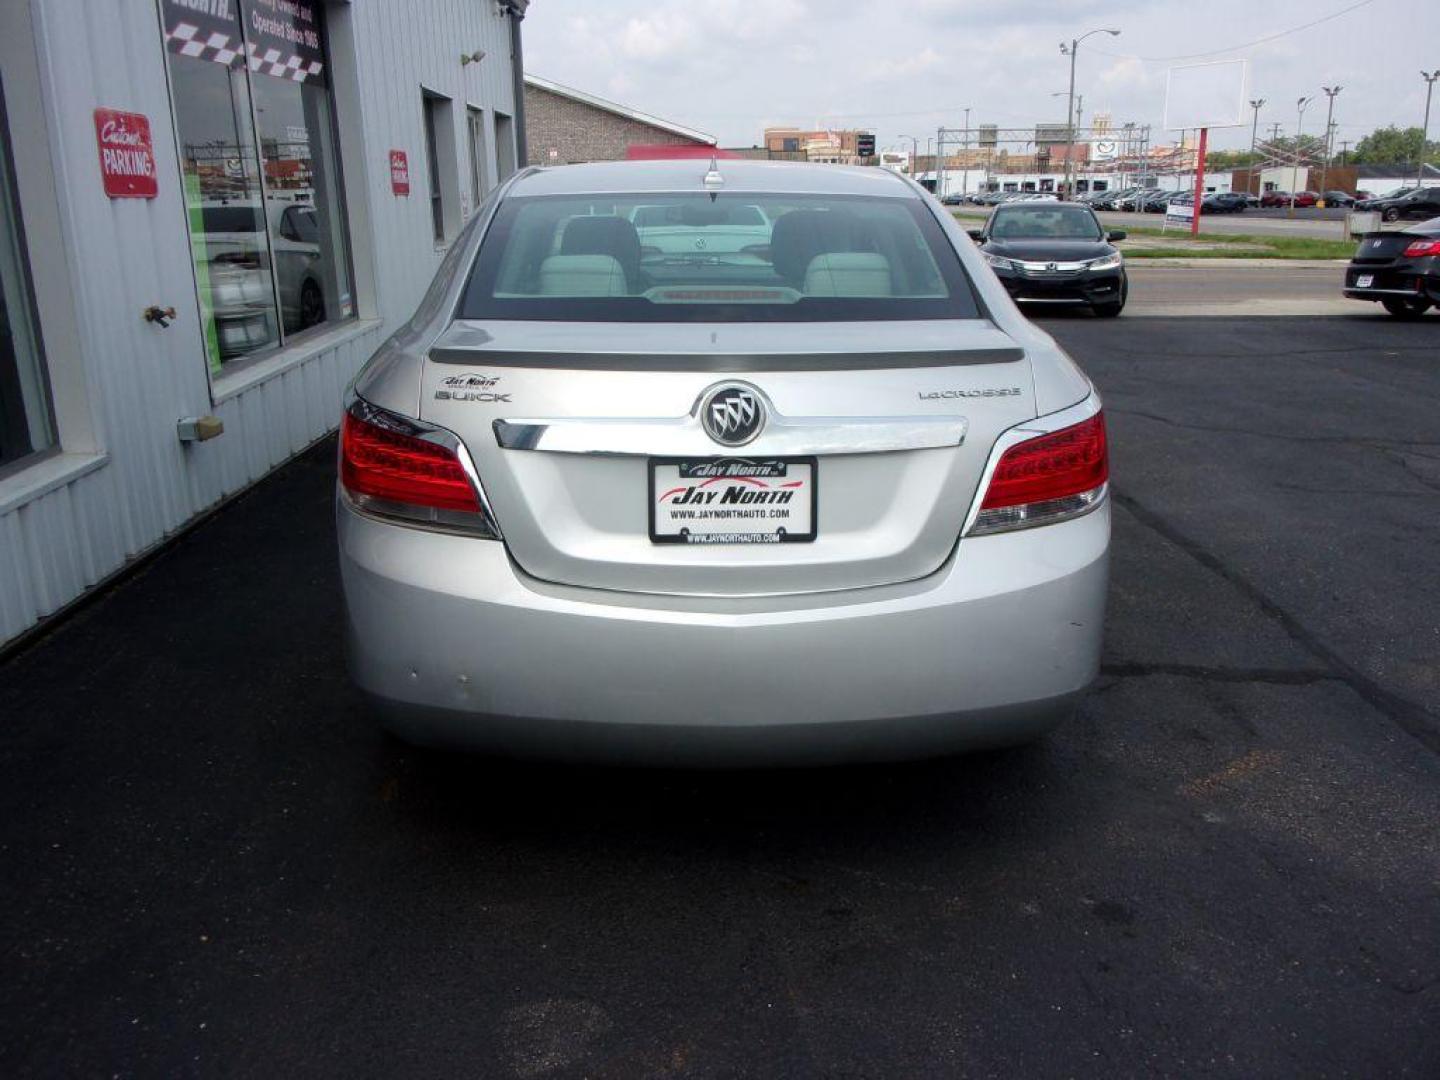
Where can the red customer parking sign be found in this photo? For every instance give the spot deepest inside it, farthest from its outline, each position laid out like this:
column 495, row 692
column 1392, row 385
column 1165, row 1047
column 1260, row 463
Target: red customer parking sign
column 399, row 173
column 127, row 155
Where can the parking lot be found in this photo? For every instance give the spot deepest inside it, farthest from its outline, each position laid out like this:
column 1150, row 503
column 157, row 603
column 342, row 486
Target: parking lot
column 1228, row 863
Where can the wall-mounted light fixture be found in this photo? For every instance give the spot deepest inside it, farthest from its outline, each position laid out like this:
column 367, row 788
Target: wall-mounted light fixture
column 472, row 58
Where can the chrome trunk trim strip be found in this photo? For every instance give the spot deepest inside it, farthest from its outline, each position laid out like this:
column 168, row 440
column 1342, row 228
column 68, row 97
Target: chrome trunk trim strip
column 684, row 436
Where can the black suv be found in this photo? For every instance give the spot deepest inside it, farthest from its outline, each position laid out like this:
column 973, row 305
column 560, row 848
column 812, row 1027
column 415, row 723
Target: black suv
column 1421, row 203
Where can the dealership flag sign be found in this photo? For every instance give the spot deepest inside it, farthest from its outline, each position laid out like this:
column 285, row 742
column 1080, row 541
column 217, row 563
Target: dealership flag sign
column 127, row 154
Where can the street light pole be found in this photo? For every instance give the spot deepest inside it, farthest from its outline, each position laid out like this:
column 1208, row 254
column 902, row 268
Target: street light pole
column 1430, row 78
column 1074, row 48
column 1330, row 92
column 1254, row 131
column 1295, row 168
column 914, row 154
column 965, row 158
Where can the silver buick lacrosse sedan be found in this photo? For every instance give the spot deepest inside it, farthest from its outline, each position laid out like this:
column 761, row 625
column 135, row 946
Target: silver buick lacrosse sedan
column 727, row 462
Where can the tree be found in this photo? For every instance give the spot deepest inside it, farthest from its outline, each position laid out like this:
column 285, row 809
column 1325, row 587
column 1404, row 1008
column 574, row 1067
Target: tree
column 1391, row 145
column 1311, row 147
column 1220, row 160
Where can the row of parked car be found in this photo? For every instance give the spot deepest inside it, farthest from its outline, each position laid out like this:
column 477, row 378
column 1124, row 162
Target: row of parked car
column 1413, row 203
column 995, row 198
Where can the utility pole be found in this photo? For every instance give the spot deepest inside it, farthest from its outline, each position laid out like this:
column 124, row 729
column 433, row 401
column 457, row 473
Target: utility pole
column 965, row 157
column 1430, row 78
column 936, row 159
column 1330, row 92
column 1254, row 130
column 1295, row 168
column 1344, row 152
column 914, row 155
column 1074, row 48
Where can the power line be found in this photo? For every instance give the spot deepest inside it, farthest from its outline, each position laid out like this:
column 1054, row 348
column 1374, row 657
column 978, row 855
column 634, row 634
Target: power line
column 1245, row 45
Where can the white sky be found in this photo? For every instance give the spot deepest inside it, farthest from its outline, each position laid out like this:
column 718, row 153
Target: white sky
column 733, row 67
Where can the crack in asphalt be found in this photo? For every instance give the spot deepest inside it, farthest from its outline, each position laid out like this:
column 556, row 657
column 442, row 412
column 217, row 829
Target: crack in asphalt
column 1390, row 350
column 1399, row 458
column 1306, row 489
column 1130, row 669
column 1369, row 442
column 1414, row 719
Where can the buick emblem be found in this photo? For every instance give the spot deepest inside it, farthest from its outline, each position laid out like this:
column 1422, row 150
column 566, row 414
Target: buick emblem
column 732, row 415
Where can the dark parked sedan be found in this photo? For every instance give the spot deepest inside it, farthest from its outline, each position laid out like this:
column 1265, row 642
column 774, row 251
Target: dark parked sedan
column 1339, row 198
column 1224, row 202
column 1399, row 269
column 1409, row 203
column 1055, row 253
column 1155, row 202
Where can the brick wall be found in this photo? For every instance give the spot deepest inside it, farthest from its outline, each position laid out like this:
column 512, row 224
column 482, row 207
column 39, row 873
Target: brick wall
column 580, row 132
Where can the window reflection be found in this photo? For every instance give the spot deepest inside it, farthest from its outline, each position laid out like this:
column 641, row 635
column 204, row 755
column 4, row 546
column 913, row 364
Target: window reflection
column 302, row 202
column 221, row 176
column 258, row 161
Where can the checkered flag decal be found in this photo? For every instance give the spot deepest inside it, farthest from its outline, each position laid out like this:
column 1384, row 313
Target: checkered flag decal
column 187, row 39
column 274, row 62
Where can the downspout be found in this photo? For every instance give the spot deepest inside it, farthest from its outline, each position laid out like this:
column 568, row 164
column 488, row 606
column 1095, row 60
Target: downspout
column 516, row 10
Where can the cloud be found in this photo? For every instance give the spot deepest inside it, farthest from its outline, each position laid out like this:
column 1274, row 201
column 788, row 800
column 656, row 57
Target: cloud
column 1127, row 74
column 902, row 67
column 665, row 34
column 973, row 13
column 725, row 65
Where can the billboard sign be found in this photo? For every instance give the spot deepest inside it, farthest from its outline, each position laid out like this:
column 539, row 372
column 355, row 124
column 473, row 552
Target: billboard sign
column 1206, row 95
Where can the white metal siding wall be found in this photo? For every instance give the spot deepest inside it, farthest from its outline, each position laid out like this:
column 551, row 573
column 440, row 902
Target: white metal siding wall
column 430, row 43
column 121, row 256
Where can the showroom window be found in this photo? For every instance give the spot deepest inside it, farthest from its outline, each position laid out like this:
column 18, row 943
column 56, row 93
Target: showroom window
column 260, row 169
column 26, row 423
column 504, row 146
column 475, row 121
column 432, row 106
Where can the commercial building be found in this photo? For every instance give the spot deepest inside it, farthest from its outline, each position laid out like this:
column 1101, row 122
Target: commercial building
column 825, row 145
column 564, row 126
column 1349, row 178
column 211, row 213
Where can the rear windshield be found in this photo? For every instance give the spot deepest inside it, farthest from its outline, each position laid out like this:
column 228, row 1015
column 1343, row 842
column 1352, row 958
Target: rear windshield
column 1045, row 220
column 725, row 257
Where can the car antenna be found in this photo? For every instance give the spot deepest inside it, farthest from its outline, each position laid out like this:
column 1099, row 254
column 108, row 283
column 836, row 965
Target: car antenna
column 713, row 180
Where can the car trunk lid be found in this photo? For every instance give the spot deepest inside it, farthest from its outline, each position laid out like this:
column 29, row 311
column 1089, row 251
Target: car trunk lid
column 1383, row 248
column 564, row 421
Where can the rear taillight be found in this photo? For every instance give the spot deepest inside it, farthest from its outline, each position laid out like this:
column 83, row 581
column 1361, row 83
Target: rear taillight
column 1419, row 248
column 399, row 468
column 1046, row 479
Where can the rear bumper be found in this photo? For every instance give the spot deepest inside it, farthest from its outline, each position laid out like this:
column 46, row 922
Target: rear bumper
column 1415, row 281
column 457, row 647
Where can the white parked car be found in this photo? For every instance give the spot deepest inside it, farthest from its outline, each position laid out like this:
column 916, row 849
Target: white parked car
column 832, row 499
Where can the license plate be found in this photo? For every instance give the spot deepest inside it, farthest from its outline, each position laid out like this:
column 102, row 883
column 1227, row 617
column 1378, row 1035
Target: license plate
column 1364, row 281
column 732, row 500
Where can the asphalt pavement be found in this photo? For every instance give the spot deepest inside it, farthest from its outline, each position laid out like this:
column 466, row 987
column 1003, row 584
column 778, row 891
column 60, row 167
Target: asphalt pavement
column 1230, row 289
column 1227, row 864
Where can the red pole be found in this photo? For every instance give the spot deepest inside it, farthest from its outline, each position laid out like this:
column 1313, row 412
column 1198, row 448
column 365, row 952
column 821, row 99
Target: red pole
column 1199, row 182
